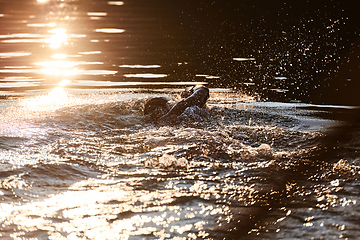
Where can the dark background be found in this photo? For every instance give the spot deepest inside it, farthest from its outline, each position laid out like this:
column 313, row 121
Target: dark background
column 310, row 49
column 314, row 44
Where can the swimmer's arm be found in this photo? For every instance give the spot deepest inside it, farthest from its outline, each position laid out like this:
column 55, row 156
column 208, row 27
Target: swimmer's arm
column 176, row 110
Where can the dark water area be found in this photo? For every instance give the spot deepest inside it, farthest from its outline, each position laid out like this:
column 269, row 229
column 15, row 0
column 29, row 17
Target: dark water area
column 310, row 49
column 273, row 155
column 303, row 51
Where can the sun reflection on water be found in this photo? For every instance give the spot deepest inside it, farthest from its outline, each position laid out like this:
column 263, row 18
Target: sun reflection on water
column 55, row 99
column 59, row 37
column 57, row 95
column 60, row 68
column 110, row 211
column 59, row 56
column 117, row 3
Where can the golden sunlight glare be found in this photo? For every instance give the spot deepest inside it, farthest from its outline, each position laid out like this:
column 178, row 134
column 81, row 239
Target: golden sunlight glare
column 64, row 82
column 56, row 98
column 58, row 38
column 56, row 95
column 61, row 68
column 59, row 64
column 59, row 72
column 59, row 56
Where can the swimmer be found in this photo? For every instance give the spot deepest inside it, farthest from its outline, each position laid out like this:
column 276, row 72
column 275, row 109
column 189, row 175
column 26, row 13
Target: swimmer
column 164, row 110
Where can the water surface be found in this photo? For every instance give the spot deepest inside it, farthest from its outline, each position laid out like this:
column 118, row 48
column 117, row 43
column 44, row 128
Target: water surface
column 79, row 160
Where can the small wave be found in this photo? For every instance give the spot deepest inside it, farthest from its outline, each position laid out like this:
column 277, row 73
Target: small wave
column 109, row 115
column 194, row 113
column 118, row 165
column 167, row 161
column 343, row 166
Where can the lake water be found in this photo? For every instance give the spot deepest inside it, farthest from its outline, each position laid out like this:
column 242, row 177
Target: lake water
column 275, row 154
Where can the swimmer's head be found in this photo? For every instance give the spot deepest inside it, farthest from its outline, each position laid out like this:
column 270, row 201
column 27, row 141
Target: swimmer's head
column 190, row 90
column 187, row 92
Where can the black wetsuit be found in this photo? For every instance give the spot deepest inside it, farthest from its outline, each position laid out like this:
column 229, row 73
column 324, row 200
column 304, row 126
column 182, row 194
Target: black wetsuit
column 194, row 96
